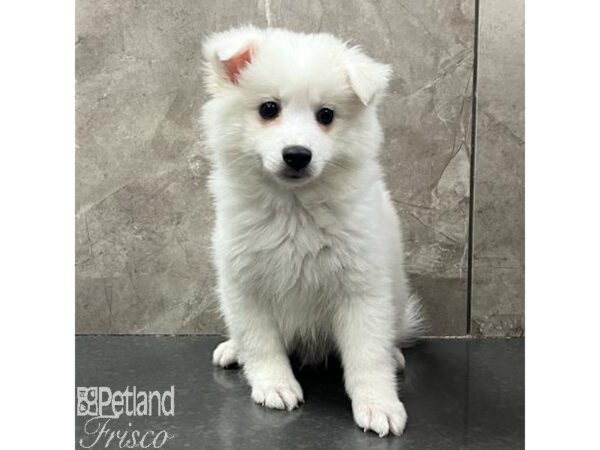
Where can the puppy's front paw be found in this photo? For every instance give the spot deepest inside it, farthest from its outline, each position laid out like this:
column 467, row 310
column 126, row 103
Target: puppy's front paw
column 380, row 417
column 278, row 394
column 225, row 354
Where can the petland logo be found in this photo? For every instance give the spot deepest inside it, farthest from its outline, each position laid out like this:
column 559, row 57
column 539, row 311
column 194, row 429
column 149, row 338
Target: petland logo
column 102, row 406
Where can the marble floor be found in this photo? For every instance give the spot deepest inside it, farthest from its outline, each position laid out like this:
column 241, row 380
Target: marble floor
column 459, row 394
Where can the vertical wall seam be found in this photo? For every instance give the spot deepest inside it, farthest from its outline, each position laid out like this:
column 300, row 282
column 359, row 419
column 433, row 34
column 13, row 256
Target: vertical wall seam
column 472, row 170
column 268, row 12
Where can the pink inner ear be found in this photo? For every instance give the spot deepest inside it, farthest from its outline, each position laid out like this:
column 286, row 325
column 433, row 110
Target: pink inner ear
column 236, row 64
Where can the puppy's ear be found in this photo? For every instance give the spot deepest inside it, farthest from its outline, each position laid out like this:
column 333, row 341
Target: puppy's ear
column 367, row 77
column 227, row 55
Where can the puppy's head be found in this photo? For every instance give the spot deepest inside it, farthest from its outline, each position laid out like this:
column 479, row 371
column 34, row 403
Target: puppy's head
column 290, row 106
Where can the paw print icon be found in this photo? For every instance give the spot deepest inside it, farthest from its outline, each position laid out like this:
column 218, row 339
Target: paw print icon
column 87, row 401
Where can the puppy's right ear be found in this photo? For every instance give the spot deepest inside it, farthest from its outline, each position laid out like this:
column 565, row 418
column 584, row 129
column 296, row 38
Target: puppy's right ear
column 227, row 55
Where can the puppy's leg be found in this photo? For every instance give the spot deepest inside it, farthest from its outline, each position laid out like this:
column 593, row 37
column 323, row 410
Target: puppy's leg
column 267, row 366
column 365, row 338
column 261, row 351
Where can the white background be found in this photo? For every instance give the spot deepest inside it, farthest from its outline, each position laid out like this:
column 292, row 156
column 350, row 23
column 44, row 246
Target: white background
column 37, row 149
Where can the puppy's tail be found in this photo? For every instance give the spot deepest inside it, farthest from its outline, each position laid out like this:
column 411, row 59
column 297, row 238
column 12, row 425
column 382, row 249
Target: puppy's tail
column 413, row 323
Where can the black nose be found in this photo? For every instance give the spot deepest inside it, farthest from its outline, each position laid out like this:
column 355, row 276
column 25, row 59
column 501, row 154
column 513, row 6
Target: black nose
column 296, row 156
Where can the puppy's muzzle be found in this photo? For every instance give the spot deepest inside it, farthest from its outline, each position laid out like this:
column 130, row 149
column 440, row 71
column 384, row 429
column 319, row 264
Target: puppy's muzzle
column 296, row 157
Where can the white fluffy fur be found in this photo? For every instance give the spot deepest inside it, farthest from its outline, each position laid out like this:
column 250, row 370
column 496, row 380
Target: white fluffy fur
column 314, row 266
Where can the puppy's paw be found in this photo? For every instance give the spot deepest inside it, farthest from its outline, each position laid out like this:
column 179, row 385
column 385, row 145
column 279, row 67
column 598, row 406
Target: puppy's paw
column 380, row 417
column 278, row 394
column 225, row 354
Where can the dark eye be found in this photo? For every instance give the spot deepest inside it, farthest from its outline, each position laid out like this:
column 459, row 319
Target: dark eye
column 268, row 110
column 325, row 116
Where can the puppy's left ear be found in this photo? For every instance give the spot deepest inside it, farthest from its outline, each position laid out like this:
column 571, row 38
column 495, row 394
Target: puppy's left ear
column 367, row 77
column 227, row 55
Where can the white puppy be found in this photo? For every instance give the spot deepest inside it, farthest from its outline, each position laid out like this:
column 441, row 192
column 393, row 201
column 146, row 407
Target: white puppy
column 307, row 244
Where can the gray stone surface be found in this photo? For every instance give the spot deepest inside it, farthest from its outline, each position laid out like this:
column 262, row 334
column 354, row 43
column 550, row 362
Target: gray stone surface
column 459, row 394
column 498, row 219
column 143, row 213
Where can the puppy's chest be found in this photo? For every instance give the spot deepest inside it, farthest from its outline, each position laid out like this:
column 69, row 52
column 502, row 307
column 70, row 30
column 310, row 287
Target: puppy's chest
column 295, row 255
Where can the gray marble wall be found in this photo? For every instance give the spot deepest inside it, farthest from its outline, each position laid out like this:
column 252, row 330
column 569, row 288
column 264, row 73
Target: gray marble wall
column 143, row 216
column 498, row 216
